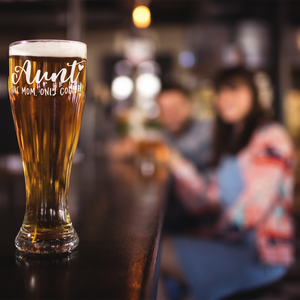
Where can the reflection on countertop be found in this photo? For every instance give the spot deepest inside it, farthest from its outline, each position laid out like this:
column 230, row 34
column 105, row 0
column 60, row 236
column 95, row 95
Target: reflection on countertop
column 117, row 214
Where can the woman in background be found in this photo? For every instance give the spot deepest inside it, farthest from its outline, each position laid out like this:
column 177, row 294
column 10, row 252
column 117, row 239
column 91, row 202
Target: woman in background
column 252, row 184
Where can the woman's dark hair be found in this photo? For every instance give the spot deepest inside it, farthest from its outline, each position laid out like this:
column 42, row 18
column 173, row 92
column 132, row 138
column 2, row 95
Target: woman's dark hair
column 224, row 140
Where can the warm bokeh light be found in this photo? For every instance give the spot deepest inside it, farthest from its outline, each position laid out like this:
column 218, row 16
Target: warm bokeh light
column 141, row 16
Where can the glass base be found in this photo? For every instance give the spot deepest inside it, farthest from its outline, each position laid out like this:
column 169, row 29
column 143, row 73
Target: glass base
column 46, row 244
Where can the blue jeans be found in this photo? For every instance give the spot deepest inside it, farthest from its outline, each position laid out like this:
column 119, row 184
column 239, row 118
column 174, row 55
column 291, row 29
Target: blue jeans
column 214, row 268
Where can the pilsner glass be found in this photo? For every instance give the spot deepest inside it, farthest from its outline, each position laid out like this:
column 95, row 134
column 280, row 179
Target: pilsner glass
column 46, row 86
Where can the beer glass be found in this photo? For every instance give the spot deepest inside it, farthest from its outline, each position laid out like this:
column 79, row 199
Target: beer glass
column 46, row 84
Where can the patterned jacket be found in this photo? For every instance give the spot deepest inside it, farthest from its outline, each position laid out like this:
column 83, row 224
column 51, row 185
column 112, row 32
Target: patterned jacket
column 265, row 203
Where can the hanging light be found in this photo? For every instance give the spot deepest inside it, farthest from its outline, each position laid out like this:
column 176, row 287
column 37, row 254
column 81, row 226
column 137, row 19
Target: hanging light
column 141, row 16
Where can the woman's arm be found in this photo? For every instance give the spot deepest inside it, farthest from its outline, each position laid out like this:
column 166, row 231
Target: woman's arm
column 194, row 190
column 268, row 174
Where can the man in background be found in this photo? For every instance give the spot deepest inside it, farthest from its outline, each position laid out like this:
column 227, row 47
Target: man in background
column 189, row 136
column 192, row 138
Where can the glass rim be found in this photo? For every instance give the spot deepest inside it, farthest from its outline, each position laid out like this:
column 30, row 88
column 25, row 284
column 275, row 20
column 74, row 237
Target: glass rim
column 48, row 48
column 44, row 41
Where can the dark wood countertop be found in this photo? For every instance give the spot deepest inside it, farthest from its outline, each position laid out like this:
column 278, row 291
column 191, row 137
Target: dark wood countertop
column 117, row 214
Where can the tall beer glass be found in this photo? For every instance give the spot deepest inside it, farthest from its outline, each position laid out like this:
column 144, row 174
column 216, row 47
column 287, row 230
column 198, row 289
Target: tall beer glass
column 46, row 86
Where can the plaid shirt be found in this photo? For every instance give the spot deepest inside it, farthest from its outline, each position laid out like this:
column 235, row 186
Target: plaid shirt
column 265, row 203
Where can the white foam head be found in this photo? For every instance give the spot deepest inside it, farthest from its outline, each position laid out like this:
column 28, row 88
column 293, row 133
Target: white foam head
column 48, row 48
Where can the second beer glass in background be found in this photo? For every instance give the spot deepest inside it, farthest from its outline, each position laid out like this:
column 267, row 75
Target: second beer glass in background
column 47, row 80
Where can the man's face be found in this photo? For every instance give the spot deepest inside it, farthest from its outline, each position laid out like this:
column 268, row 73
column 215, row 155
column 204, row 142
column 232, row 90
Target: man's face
column 175, row 110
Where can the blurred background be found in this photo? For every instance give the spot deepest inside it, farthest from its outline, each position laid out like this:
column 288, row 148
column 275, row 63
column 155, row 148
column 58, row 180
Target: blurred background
column 135, row 47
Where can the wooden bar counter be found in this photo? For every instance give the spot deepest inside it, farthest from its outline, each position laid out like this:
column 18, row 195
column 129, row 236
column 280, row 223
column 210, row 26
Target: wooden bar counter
column 118, row 216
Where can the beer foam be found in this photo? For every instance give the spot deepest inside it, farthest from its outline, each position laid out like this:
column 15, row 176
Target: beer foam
column 48, row 48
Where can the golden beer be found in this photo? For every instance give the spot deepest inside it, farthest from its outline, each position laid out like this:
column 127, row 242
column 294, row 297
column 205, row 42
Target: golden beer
column 46, row 85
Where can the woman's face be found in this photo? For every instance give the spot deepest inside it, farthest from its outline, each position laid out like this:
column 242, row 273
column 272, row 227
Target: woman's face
column 234, row 103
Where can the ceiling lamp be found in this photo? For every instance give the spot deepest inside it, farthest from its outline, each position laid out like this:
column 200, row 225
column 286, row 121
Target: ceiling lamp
column 141, row 16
